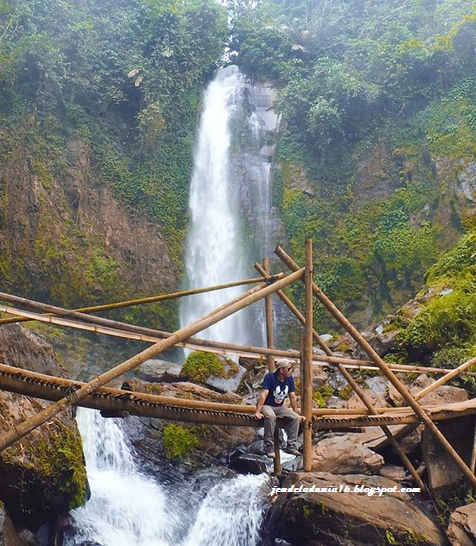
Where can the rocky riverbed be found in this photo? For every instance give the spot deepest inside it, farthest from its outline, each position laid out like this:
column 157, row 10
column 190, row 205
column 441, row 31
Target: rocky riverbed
column 43, row 476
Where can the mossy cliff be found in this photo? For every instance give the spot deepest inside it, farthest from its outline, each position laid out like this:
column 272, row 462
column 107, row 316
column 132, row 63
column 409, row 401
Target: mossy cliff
column 376, row 145
column 43, row 473
column 98, row 106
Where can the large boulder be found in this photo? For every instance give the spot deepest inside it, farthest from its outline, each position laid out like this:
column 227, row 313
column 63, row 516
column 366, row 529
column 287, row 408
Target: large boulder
column 43, row 473
column 462, row 526
column 210, row 445
column 343, row 454
column 445, row 394
column 359, row 517
column 159, row 371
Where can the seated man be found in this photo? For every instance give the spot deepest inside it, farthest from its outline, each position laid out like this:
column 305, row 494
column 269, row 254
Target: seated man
column 276, row 386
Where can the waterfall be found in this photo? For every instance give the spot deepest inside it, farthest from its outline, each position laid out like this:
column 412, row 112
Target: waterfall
column 128, row 508
column 230, row 200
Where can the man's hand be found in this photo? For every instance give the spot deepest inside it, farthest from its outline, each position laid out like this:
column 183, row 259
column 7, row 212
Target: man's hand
column 303, row 418
column 259, row 415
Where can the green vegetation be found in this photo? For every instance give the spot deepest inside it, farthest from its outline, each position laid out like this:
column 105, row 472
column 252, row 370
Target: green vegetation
column 373, row 96
column 322, row 395
column 58, row 462
column 443, row 333
column 179, row 441
column 117, row 85
column 200, row 365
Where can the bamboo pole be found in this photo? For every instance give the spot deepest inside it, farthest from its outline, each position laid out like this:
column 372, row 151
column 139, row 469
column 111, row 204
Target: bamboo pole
column 151, row 299
column 444, row 379
column 208, row 345
column 268, row 302
column 306, row 379
column 27, row 426
column 360, row 393
column 44, row 386
column 386, row 371
column 472, row 464
column 277, row 467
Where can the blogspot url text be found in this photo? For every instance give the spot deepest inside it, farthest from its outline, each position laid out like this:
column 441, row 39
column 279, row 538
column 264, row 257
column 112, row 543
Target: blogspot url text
column 369, row 491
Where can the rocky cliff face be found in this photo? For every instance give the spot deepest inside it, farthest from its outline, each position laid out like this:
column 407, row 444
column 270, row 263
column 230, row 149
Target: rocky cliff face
column 43, row 473
column 64, row 236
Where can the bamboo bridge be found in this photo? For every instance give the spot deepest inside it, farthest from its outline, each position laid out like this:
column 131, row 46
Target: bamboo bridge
column 65, row 393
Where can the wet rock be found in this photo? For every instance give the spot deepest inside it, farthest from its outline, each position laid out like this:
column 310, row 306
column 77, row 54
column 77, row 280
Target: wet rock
column 352, row 518
column 159, row 371
column 216, row 443
column 43, row 473
column 249, row 463
column 391, row 472
column 445, row 394
column 462, row 526
column 342, row 454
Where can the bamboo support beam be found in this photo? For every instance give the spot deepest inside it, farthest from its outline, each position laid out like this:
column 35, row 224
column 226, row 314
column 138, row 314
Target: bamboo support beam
column 444, row 379
column 386, row 371
column 268, row 302
column 208, row 345
column 306, row 379
column 27, row 426
column 151, row 299
column 371, row 409
column 52, row 388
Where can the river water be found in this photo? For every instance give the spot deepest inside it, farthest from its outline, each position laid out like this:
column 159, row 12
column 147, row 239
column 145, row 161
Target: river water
column 128, row 508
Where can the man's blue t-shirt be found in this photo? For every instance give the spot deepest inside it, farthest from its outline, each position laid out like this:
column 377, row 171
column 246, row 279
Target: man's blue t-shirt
column 278, row 390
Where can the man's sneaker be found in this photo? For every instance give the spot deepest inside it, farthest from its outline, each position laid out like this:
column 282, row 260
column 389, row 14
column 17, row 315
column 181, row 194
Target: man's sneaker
column 270, row 454
column 292, row 451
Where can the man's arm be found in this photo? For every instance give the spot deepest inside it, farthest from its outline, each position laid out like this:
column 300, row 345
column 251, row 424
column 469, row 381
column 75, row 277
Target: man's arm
column 260, row 403
column 293, row 400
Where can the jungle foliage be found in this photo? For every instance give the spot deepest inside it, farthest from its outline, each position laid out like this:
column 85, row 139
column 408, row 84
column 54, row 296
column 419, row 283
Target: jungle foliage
column 373, row 94
column 122, row 76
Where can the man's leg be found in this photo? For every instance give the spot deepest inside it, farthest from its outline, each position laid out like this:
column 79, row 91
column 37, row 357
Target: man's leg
column 292, row 424
column 269, row 426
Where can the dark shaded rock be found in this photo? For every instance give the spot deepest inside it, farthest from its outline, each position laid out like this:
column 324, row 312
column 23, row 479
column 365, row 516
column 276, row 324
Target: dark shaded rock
column 159, row 371
column 352, row 518
column 249, row 463
column 216, row 443
column 462, row 526
column 443, row 472
column 43, row 473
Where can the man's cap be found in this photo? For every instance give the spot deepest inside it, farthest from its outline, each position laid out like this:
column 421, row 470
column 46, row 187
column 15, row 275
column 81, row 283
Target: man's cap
column 283, row 363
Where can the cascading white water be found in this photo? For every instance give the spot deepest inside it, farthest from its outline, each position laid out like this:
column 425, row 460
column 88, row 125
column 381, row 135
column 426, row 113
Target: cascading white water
column 126, row 508
column 129, row 509
column 231, row 217
column 214, row 249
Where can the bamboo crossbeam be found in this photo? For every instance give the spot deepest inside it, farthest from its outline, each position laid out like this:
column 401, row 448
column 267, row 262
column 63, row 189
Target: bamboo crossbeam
column 445, row 379
column 128, row 331
column 268, row 303
column 360, row 393
column 306, row 379
column 27, row 426
column 386, row 371
column 28, row 383
column 151, row 299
